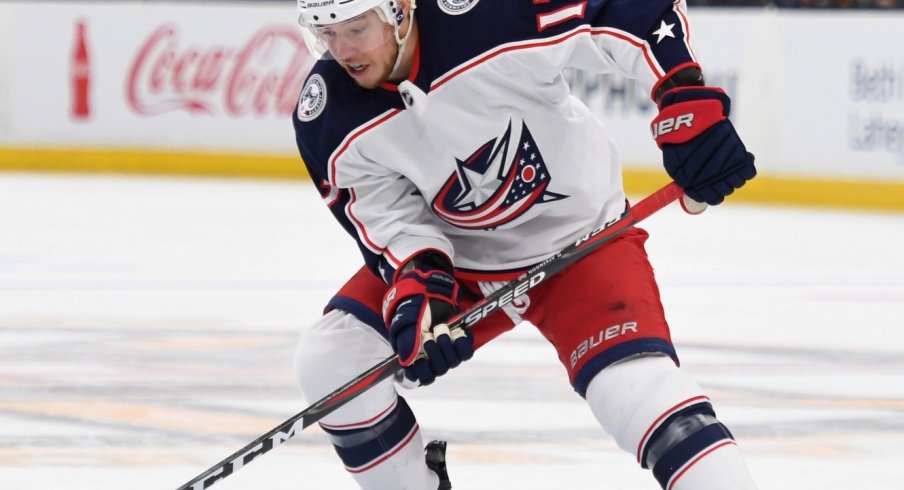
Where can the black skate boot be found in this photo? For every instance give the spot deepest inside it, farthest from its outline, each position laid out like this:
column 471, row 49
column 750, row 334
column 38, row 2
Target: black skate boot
column 435, row 454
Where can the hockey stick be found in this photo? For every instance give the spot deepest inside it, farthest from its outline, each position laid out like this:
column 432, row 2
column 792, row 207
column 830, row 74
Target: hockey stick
column 480, row 310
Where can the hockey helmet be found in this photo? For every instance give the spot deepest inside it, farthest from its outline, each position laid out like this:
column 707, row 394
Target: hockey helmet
column 321, row 22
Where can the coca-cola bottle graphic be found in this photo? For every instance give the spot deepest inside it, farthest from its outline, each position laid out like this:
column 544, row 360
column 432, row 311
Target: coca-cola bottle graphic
column 81, row 74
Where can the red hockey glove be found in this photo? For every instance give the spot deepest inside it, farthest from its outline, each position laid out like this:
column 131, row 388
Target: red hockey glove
column 415, row 309
column 700, row 148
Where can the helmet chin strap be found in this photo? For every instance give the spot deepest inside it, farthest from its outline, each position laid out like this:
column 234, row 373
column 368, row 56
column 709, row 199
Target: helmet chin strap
column 403, row 41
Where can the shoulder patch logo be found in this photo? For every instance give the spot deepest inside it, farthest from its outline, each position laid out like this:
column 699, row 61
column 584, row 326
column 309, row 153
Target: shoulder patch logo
column 312, row 99
column 456, row 7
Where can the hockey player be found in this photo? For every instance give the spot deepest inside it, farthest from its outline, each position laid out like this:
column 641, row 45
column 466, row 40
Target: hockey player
column 443, row 138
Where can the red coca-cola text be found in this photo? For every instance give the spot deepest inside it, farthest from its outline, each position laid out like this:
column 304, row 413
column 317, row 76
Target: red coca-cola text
column 262, row 77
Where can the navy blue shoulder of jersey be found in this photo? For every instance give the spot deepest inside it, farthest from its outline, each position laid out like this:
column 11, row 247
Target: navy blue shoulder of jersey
column 660, row 23
column 450, row 40
column 346, row 106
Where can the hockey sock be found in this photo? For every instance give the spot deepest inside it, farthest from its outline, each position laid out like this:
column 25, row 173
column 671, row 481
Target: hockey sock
column 384, row 452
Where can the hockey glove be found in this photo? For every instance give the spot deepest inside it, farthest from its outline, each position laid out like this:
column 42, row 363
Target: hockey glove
column 414, row 309
column 701, row 150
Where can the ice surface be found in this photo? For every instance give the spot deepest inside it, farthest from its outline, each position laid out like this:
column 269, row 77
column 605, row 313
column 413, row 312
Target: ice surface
column 147, row 327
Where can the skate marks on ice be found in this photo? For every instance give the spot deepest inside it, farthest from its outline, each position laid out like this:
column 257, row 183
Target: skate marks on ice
column 73, row 395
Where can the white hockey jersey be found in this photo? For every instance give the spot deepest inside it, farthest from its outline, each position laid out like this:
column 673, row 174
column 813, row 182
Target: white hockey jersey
column 483, row 154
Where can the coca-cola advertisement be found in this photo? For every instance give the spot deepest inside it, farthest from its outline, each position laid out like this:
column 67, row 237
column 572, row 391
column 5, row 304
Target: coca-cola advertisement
column 258, row 76
column 206, row 77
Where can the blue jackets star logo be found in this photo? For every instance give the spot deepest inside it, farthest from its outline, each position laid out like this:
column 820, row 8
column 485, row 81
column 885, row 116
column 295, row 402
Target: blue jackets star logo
column 664, row 31
column 496, row 184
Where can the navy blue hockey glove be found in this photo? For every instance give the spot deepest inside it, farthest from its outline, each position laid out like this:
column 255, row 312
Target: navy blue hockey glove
column 415, row 309
column 701, row 150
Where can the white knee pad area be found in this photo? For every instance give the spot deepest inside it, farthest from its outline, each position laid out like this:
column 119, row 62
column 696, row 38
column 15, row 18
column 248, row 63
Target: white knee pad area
column 631, row 398
column 331, row 352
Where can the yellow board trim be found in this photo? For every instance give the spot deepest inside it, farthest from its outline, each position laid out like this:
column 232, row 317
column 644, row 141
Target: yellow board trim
column 797, row 191
column 154, row 162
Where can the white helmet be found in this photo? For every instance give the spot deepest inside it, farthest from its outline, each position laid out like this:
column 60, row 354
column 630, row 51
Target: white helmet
column 319, row 13
column 322, row 12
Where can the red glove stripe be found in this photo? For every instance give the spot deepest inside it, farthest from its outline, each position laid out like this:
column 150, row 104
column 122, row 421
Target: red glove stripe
column 682, row 122
column 399, row 291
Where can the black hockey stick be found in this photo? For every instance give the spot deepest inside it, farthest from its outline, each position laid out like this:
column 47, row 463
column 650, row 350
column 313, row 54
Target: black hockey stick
column 480, row 310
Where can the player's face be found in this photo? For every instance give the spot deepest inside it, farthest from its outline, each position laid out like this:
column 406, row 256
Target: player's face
column 365, row 46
